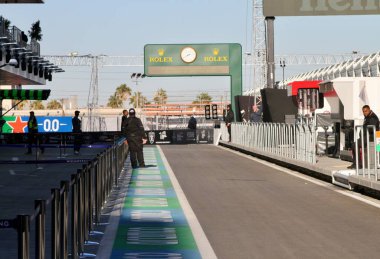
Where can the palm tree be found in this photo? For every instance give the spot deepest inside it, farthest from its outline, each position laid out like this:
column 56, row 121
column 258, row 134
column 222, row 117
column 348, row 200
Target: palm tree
column 203, row 98
column 137, row 99
column 160, row 97
column 54, row 104
column 123, row 92
column 36, row 105
column 7, row 23
column 114, row 101
column 35, row 32
column 22, row 104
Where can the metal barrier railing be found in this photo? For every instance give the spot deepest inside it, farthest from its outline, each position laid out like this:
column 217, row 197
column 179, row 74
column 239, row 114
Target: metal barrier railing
column 366, row 155
column 75, row 208
column 296, row 142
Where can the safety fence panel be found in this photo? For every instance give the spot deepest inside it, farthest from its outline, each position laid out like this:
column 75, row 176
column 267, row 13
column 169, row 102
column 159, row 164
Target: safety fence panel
column 290, row 141
column 366, row 153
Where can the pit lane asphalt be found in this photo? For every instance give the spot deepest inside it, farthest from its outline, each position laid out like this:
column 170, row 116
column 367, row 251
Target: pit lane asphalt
column 250, row 210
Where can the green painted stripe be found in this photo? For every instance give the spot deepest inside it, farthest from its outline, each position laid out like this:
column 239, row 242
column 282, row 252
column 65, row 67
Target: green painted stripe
column 31, row 95
column 23, row 96
column 14, row 94
column 39, row 93
column 148, row 237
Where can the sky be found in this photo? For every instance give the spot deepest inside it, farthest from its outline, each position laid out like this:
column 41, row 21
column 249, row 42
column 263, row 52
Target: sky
column 123, row 27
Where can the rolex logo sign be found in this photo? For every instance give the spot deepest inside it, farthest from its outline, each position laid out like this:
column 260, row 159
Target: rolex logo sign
column 161, row 52
column 161, row 57
column 216, row 57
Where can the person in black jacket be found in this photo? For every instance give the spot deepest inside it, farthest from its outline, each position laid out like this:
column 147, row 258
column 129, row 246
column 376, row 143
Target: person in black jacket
column 33, row 133
column 370, row 118
column 228, row 120
column 124, row 120
column 192, row 123
column 77, row 130
column 135, row 135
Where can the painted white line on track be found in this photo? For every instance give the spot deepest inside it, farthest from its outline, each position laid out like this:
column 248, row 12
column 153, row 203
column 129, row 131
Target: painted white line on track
column 200, row 237
column 354, row 195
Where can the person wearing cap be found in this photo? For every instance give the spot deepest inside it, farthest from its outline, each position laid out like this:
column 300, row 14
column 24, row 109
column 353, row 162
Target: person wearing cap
column 124, row 120
column 135, row 135
column 228, row 120
column 77, row 130
column 33, row 133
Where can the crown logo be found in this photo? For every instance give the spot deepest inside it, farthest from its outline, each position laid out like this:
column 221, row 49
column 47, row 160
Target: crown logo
column 161, row 52
column 215, row 52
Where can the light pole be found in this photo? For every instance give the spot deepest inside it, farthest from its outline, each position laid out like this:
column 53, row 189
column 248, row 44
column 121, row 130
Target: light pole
column 283, row 65
column 135, row 78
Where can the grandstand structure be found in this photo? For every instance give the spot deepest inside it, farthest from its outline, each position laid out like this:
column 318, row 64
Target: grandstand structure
column 357, row 66
column 366, row 66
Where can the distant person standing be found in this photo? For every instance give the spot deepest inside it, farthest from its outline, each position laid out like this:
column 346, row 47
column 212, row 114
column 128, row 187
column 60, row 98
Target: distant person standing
column 124, row 120
column 33, row 133
column 77, row 130
column 228, row 120
column 135, row 135
column 256, row 113
column 192, row 123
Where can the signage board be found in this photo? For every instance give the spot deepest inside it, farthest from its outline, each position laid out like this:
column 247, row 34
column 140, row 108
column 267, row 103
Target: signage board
column 180, row 136
column 19, row 124
column 217, row 59
column 187, row 59
column 320, row 7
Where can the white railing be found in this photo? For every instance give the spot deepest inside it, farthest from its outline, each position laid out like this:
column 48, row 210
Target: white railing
column 366, row 155
column 297, row 142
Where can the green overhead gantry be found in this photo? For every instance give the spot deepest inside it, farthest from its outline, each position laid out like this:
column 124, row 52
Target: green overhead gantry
column 21, row 95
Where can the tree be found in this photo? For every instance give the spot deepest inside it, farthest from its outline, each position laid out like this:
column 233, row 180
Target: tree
column 36, row 105
column 138, row 100
column 160, row 97
column 7, row 23
column 203, row 98
column 35, row 32
column 114, row 101
column 21, row 105
column 123, row 92
column 54, row 104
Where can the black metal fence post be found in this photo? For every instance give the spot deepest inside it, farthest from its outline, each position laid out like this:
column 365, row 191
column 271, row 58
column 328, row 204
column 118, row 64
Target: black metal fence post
column 74, row 216
column 23, row 228
column 97, row 187
column 55, row 224
column 80, row 212
column 65, row 186
column 40, row 228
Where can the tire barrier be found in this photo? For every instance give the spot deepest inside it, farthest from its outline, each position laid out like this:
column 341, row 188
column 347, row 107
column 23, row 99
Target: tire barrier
column 75, row 209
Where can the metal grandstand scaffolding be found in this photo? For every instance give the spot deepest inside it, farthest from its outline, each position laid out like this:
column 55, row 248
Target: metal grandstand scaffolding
column 138, row 61
column 93, row 97
column 259, row 46
column 365, row 66
column 345, row 61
